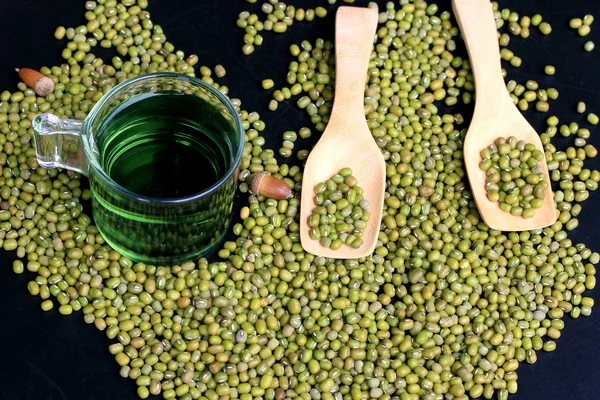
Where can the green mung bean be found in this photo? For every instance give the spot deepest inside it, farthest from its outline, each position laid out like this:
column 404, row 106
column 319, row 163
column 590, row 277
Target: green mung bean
column 18, row 267
column 545, row 28
column 220, row 71
column 267, row 84
column 584, row 30
column 575, row 23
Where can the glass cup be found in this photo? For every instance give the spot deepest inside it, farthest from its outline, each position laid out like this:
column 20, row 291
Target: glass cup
column 148, row 229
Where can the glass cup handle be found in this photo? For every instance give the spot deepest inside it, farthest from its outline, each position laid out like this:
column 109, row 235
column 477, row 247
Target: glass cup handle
column 59, row 143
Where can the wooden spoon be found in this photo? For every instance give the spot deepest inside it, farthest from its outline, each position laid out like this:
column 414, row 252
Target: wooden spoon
column 347, row 141
column 495, row 115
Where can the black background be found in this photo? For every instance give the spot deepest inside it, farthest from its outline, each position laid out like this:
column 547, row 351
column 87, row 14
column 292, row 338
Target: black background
column 46, row 356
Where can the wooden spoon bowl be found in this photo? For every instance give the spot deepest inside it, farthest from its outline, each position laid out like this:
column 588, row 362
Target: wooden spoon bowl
column 347, row 140
column 495, row 116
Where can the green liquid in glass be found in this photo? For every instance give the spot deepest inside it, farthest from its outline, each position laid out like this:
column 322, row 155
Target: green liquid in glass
column 160, row 155
column 165, row 146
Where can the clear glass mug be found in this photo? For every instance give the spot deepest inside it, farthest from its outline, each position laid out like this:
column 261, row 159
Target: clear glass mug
column 148, row 229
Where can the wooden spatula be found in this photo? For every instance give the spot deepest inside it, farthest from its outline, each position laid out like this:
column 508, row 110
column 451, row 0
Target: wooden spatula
column 347, row 141
column 495, row 115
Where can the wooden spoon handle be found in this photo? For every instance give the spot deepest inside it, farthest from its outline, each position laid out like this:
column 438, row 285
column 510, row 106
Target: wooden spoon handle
column 478, row 27
column 354, row 35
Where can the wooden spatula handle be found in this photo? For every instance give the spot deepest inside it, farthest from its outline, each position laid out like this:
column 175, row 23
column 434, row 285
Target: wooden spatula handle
column 478, row 27
column 354, row 35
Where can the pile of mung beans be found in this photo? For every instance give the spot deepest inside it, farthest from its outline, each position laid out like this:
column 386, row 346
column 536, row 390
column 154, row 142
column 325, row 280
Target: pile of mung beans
column 341, row 214
column 278, row 17
column 514, row 177
column 445, row 307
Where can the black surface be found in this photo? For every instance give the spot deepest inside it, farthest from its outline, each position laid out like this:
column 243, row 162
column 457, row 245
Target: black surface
column 44, row 356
